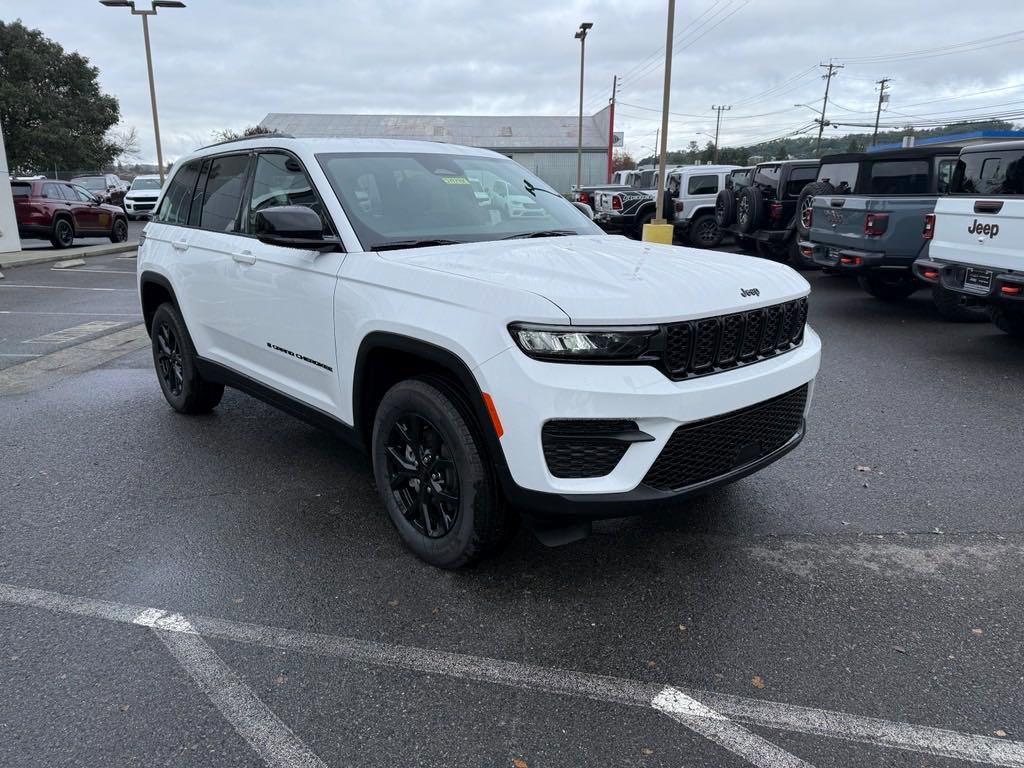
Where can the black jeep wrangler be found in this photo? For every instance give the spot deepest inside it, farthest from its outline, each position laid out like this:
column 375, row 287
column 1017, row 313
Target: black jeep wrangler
column 763, row 212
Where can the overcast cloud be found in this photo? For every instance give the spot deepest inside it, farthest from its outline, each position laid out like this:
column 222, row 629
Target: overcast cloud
column 227, row 63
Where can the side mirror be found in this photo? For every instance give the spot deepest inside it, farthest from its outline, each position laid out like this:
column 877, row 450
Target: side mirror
column 585, row 209
column 293, row 226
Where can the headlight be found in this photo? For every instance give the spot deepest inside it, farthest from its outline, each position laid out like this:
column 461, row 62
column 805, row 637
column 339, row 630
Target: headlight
column 569, row 343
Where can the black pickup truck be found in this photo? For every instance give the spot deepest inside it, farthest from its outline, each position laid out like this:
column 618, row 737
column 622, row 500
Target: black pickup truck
column 764, row 211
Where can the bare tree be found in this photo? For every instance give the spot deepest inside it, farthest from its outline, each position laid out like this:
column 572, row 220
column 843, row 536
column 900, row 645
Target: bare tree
column 125, row 141
column 229, row 134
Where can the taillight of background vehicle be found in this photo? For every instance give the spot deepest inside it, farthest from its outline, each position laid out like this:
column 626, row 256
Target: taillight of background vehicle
column 616, row 202
column 875, row 224
column 583, row 197
column 929, row 226
column 679, row 207
column 775, row 210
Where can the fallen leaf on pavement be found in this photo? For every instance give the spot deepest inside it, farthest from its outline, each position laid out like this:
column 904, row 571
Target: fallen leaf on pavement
column 977, row 632
column 757, row 681
column 647, row 751
column 863, row 468
column 517, row 763
column 899, row 648
column 999, row 732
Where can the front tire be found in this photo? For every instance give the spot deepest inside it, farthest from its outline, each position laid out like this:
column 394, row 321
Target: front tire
column 432, row 472
column 704, row 232
column 1008, row 321
column 958, row 308
column 888, row 287
column 174, row 357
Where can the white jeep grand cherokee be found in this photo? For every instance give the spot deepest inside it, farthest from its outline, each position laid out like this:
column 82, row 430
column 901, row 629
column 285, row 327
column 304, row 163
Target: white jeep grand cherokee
column 491, row 365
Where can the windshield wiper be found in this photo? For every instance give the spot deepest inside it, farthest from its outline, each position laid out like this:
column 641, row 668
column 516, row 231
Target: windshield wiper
column 400, row 244
column 542, row 233
column 534, row 190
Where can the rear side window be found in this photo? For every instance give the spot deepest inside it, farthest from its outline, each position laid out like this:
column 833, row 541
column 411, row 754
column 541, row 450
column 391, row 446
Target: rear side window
column 702, row 185
column 52, row 192
column 222, row 195
column 991, row 173
column 898, row 177
column 767, row 175
column 800, row 178
column 842, row 176
column 945, row 167
column 21, row 190
column 176, row 202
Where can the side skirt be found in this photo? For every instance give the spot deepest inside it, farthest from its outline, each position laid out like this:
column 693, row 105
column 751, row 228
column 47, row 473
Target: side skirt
column 316, row 417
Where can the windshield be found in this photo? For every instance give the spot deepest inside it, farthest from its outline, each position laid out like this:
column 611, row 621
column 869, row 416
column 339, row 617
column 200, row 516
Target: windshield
column 394, row 198
column 145, row 184
column 91, row 182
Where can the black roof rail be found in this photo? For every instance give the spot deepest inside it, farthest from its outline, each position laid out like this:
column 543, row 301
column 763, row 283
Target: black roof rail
column 270, row 135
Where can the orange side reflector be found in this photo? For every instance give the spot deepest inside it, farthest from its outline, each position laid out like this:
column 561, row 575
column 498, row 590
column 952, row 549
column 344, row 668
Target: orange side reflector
column 493, row 412
column 1011, row 290
column 930, row 274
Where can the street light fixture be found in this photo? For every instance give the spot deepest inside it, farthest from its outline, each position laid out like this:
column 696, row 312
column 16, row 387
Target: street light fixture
column 156, row 4
column 581, row 35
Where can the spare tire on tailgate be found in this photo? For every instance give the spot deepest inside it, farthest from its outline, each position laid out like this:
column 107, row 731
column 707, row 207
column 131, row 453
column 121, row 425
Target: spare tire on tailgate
column 725, row 208
column 749, row 209
column 803, row 204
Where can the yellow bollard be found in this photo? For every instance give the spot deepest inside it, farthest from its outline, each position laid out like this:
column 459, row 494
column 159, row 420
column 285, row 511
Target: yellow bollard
column 658, row 233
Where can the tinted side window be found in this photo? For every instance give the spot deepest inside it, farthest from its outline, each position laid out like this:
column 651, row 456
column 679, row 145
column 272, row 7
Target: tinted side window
column 223, row 193
column 842, row 176
column 992, row 173
column 52, row 192
column 279, row 180
column 767, row 175
column 944, row 169
column 21, row 190
column 175, row 205
column 898, row 177
column 798, row 179
column 84, row 195
column 702, row 185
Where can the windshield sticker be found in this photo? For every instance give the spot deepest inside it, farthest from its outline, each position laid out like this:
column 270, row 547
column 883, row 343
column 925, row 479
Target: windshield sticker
column 455, row 180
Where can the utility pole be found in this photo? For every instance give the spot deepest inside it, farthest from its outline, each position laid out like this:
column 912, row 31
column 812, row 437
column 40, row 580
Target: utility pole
column 883, row 86
column 611, row 127
column 581, row 35
column 824, row 103
column 659, row 210
column 718, row 125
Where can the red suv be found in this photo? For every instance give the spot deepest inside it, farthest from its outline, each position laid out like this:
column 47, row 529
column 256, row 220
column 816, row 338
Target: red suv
column 59, row 212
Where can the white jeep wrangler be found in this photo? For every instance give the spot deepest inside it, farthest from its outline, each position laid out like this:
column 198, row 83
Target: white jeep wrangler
column 977, row 232
column 492, row 364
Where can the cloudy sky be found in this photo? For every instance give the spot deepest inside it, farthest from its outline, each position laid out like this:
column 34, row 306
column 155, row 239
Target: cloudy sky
column 226, row 63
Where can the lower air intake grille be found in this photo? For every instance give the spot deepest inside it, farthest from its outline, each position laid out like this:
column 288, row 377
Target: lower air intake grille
column 584, row 447
column 714, row 447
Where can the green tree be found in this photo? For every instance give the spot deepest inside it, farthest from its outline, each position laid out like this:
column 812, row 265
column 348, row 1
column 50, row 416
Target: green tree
column 53, row 112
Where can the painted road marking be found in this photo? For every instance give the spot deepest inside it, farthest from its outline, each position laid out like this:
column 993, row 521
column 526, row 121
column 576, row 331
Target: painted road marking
column 75, row 332
column 63, row 287
column 269, row 737
column 12, row 354
column 713, row 706
column 67, row 271
column 70, row 314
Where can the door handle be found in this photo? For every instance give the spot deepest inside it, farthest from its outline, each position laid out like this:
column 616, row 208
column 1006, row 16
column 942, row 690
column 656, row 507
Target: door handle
column 244, row 257
column 180, row 245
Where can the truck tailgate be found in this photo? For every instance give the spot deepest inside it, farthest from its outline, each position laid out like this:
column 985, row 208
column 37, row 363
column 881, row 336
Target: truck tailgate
column 987, row 232
column 839, row 222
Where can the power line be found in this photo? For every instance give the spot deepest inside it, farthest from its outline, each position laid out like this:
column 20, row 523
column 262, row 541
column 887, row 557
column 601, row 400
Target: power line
column 927, row 53
column 656, row 56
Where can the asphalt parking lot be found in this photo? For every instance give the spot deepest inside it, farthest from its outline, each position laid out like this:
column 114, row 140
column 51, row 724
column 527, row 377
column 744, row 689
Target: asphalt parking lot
column 227, row 590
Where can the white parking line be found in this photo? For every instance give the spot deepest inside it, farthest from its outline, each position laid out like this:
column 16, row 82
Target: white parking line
column 73, row 270
column 713, row 707
column 70, row 314
column 11, row 354
column 76, row 332
column 63, row 287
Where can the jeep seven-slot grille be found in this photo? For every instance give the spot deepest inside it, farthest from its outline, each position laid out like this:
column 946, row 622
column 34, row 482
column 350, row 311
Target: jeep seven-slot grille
column 699, row 347
column 584, row 447
column 705, row 450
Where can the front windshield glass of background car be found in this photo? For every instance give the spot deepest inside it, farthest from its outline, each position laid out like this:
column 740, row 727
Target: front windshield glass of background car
column 393, row 198
column 145, row 184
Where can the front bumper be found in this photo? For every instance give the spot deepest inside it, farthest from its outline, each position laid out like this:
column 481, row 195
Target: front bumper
column 1005, row 285
column 851, row 259
column 529, row 393
column 139, row 206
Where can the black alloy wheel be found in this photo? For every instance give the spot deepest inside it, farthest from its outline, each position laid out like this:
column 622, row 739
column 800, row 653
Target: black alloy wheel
column 169, row 361
column 119, row 232
column 705, row 232
column 422, row 475
column 63, row 233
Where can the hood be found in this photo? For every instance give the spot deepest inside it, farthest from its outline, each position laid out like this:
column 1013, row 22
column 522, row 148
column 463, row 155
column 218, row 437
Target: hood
column 601, row 279
column 143, row 194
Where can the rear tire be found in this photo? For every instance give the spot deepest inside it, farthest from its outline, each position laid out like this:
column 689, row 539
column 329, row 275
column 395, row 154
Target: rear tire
column 63, row 235
column 431, row 468
column 1008, row 321
column 888, row 287
column 704, row 232
column 749, row 209
column 119, row 232
column 175, row 360
column 958, row 308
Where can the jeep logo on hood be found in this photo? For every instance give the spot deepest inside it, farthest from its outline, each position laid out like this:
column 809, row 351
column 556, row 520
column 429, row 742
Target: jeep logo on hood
column 749, row 292
column 979, row 229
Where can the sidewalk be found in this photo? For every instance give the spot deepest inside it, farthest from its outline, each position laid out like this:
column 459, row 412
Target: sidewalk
column 21, row 258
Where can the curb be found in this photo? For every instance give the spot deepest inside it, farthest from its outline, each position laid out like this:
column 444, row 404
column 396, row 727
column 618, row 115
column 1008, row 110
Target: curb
column 11, row 260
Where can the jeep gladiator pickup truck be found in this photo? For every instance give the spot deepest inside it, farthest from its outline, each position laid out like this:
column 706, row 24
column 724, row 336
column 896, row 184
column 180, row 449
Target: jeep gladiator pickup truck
column 977, row 233
column 494, row 368
column 876, row 228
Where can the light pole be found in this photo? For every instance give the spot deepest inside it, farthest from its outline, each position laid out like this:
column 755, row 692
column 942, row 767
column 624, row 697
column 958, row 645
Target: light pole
column 149, row 60
column 659, row 205
column 581, row 35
